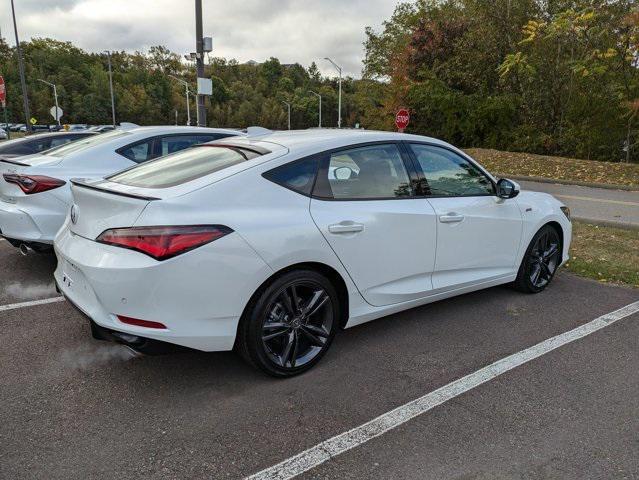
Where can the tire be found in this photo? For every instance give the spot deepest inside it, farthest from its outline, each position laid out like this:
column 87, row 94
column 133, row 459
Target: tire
column 541, row 261
column 290, row 324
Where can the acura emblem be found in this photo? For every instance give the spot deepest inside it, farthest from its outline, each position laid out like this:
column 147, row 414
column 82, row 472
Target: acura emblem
column 74, row 214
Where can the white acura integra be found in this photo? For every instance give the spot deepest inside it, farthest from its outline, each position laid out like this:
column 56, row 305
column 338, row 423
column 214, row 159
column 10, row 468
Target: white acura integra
column 272, row 243
column 35, row 194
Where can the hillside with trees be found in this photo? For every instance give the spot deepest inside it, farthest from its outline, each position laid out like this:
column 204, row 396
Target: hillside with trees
column 553, row 77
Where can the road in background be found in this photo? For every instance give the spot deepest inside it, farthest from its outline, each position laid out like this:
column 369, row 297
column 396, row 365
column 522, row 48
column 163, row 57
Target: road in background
column 596, row 205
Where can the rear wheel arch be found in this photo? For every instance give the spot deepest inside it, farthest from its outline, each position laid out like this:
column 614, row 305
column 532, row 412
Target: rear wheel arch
column 327, row 271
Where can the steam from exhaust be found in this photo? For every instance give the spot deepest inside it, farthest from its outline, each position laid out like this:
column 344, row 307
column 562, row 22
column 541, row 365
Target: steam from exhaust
column 30, row 291
column 86, row 357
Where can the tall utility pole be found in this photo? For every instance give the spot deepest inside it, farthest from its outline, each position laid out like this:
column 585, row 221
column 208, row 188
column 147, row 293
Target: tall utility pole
column 288, row 105
column 320, row 106
column 339, row 102
column 55, row 97
column 199, row 44
column 23, row 82
column 187, row 91
column 111, row 87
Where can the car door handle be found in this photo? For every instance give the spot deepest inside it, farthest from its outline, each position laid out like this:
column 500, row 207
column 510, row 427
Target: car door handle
column 451, row 218
column 346, row 227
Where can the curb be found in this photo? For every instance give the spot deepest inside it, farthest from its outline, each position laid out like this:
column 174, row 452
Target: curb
column 605, row 186
column 607, row 223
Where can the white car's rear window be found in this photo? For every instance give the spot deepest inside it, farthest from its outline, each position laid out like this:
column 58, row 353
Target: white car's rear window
column 182, row 167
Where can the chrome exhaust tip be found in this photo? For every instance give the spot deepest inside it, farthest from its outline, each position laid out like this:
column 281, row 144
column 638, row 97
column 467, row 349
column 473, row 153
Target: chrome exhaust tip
column 24, row 249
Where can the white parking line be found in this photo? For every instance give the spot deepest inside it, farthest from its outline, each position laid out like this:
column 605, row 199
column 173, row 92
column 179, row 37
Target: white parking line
column 13, row 306
column 357, row 436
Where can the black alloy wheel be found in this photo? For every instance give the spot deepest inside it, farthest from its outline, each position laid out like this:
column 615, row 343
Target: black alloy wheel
column 291, row 324
column 541, row 261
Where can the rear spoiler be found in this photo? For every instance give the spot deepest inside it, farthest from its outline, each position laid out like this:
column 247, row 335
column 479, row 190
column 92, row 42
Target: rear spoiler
column 83, row 184
column 13, row 162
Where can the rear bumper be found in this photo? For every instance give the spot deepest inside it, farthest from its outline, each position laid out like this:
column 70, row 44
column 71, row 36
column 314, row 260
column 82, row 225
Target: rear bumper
column 199, row 296
column 38, row 225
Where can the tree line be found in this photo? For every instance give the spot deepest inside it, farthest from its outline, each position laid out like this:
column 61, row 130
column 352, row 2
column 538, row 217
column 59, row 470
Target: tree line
column 556, row 77
column 146, row 94
column 543, row 76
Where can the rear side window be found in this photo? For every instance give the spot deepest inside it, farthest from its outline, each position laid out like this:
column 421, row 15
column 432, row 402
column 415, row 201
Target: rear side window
column 182, row 167
column 298, row 176
column 138, row 152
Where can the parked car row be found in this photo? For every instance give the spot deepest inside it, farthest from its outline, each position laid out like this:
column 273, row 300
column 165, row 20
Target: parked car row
column 21, row 127
column 270, row 242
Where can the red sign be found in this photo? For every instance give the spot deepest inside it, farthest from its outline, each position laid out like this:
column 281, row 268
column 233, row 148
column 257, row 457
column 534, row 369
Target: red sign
column 402, row 119
column 3, row 92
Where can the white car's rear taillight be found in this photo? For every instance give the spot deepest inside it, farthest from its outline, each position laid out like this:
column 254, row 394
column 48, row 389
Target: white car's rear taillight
column 33, row 183
column 163, row 242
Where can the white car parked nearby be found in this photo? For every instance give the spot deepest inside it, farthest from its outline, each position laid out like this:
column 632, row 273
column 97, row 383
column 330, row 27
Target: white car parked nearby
column 272, row 243
column 35, row 193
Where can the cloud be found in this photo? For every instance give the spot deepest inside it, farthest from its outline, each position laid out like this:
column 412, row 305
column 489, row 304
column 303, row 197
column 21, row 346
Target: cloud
column 291, row 30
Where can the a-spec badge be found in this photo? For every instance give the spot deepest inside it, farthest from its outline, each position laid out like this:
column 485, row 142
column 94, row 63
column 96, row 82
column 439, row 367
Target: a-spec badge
column 75, row 211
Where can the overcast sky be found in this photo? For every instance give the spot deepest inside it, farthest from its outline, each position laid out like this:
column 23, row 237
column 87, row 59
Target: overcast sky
column 291, row 30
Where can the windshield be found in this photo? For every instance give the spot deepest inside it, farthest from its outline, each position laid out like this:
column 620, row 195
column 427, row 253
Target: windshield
column 182, row 167
column 85, row 143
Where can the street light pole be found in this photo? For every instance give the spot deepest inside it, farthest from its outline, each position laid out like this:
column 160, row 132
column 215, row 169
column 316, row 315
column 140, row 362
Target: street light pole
column 320, row 106
column 25, row 98
column 55, row 96
column 188, row 108
column 289, row 113
column 339, row 105
column 199, row 44
column 111, row 87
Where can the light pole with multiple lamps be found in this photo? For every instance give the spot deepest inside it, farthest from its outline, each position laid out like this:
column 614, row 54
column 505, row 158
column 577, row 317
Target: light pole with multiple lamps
column 188, row 91
column 339, row 101
column 320, row 106
column 288, row 105
column 55, row 97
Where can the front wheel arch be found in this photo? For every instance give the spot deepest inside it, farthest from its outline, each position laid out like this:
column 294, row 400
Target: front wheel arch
column 521, row 283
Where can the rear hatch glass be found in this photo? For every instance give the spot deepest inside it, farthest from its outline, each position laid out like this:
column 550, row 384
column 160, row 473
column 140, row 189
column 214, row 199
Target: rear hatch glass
column 184, row 166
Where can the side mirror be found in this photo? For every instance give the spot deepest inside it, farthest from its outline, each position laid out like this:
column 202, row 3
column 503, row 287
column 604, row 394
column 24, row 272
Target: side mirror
column 507, row 188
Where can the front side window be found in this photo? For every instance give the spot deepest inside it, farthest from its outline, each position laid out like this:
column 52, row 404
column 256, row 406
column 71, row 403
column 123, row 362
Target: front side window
column 182, row 167
column 449, row 174
column 370, row 172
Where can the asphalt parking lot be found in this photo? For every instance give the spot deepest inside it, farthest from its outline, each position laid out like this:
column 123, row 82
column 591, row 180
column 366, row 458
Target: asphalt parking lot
column 75, row 408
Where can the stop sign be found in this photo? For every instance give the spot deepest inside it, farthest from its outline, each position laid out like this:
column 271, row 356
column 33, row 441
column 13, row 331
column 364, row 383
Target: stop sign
column 3, row 92
column 402, row 118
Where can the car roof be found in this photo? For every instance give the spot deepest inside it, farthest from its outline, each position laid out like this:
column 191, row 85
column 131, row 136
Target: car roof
column 326, row 139
column 181, row 129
